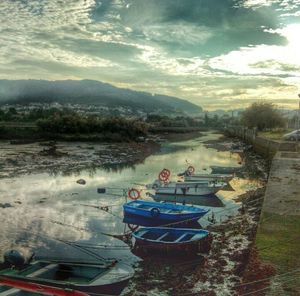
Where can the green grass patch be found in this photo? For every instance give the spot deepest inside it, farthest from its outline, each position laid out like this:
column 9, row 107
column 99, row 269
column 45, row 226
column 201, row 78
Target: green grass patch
column 278, row 240
column 274, row 134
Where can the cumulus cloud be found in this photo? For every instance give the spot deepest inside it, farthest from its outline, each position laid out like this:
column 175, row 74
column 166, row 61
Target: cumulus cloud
column 264, row 59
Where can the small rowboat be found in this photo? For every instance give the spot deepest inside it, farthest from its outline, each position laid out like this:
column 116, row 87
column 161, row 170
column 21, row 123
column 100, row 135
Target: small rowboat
column 208, row 177
column 225, row 170
column 199, row 188
column 62, row 277
column 163, row 212
column 56, row 277
column 172, row 239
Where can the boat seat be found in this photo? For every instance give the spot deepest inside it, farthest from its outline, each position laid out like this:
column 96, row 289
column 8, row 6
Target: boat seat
column 162, row 236
column 182, row 236
column 38, row 272
column 10, row 292
column 144, row 233
column 42, row 270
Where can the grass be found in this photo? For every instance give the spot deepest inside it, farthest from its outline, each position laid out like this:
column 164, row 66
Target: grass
column 276, row 134
column 278, row 240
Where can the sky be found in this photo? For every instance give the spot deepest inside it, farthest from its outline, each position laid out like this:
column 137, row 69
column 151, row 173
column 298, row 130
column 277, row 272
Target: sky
column 219, row 54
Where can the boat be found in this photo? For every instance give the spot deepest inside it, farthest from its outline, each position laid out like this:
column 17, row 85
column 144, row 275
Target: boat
column 225, row 170
column 211, row 200
column 62, row 277
column 187, row 188
column 163, row 213
column 172, row 239
column 207, row 177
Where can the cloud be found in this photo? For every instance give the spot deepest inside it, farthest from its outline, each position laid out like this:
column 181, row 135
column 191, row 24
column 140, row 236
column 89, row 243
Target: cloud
column 264, row 59
column 181, row 33
column 209, row 52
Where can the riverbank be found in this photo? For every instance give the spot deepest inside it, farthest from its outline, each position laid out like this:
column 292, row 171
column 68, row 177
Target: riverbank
column 69, row 157
column 278, row 240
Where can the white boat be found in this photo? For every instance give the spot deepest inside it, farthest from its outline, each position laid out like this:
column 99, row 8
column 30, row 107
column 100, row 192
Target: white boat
column 208, row 177
column 187, row 188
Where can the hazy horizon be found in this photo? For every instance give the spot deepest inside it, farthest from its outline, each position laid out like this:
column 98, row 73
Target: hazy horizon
column 218, row 54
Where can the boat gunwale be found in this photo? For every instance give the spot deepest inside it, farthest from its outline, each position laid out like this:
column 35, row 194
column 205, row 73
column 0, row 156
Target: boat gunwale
column 74, row 285
column 190, row 210
column 170, row 242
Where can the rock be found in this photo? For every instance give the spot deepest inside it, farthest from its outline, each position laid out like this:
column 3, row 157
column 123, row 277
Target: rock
column 81, row 182
column 140, row 139
column 5, row 205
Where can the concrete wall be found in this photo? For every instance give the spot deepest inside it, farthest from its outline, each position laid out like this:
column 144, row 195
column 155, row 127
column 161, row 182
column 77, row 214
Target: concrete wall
column 264, row 146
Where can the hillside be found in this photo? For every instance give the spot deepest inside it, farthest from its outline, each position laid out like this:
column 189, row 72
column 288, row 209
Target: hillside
column 89, row 92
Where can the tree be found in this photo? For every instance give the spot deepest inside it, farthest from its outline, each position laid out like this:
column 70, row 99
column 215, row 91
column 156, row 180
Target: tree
column 262, row 115
column 206, row 119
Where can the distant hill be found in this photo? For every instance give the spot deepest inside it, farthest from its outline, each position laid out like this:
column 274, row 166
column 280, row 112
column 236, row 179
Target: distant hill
column 89, row 92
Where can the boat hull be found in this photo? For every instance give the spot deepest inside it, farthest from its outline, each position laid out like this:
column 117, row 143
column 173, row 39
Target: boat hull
column 209, row 178
column 162, row 213
column 108, row 289
column 58, row 275
column 172, row 240
column 162, row 220
column 225, row 170
column 204, row 200
column 144, row 247
column 194, row 191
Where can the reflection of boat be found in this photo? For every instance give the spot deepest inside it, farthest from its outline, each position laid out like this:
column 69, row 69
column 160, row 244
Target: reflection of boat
column 163, row 212
column 225, row 170
column 173, row 239
column 208, row 201
column 187, row 188
column 59, row 277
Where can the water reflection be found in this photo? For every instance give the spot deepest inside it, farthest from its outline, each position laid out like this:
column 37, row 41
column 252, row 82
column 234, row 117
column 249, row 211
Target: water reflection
column 40, row 200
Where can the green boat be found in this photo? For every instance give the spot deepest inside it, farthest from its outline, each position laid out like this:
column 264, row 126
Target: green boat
column 60, row 277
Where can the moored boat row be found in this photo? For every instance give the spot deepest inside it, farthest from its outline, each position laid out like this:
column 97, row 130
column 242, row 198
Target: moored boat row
column 172, row 233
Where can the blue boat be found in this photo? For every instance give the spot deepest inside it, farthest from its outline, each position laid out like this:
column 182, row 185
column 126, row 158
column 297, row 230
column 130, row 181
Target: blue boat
column 172, row 239
column 163, row 212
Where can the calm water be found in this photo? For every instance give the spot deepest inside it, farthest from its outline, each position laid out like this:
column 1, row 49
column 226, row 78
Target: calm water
column 42, row 202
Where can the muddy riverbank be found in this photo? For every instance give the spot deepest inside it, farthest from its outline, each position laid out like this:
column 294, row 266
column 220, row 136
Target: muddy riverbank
column 69, row 157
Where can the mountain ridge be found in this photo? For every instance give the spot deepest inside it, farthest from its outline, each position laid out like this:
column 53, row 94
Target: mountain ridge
column 89, row 92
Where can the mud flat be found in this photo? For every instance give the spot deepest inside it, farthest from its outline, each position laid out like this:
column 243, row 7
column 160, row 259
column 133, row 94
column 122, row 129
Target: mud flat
column 68, row 157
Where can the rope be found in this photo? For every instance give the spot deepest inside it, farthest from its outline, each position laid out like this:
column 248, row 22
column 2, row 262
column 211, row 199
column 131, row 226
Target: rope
column 267, row 288
column 269, row 278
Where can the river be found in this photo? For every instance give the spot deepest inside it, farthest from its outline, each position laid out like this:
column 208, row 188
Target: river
column 37, row 208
